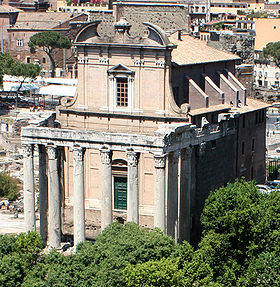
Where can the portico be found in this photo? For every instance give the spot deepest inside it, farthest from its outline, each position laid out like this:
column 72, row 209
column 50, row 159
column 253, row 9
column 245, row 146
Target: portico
column 51, row 142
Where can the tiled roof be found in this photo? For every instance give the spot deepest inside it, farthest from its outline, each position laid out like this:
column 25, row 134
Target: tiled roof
column 41, row 20
column 193, row 51
column 8, row 9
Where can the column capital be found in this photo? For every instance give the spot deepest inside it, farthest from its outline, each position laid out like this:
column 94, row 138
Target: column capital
column 132, row 157
column 160, row 160
column 106, row 155
column 52, row 152
column 28, row 150
column 78, row 153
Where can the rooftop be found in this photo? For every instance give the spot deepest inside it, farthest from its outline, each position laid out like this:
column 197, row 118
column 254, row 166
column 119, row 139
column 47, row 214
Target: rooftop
column 193, row 51
column 8, row 9
column 41, row 20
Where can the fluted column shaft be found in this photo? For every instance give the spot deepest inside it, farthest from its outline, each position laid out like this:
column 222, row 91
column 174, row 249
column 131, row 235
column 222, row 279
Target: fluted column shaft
column 43, row 193
column 54, row 199
column 106, row 187
column 159, row 196
column 29, row 190
column 133, row 187
column 79, row 197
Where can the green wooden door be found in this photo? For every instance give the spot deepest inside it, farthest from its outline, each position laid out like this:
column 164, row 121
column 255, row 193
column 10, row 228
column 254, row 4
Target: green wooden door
column 120, row 192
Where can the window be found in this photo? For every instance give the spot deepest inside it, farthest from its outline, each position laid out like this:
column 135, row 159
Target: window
column 243, row 122
column 243, row 148
column 121, row 81
column 43, row 60
column 120, row 192
column 19, row 43
column 122, row 92
column 253, row 144
column 28, row 60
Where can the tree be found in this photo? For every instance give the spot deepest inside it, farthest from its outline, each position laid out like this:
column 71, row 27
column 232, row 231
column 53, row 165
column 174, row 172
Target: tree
column 8, row 186
column 48, row 41
column 120, row 245
column 159, row 273
column 15, row 68
column 272, row 49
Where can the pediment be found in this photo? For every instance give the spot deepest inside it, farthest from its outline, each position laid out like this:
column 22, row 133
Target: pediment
column 121, row 69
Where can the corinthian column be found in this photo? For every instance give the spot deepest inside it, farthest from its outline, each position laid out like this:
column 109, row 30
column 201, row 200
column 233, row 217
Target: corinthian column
column 43, row 193
column 132, row 193
column 106, row 187
column 29, row 191
column 79, row 197
column 159, row 217
column 54, row 199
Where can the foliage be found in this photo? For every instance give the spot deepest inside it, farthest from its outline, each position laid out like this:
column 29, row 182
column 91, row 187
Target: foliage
column 48, row 41
column 272, row 49
column 159, row 273
column 8, row 186
column 15, row 68
column 264, row 271
column 120, row 245
column 19, row 257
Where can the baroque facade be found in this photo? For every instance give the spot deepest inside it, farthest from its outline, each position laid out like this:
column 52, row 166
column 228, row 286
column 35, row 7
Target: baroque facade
column 157, row 122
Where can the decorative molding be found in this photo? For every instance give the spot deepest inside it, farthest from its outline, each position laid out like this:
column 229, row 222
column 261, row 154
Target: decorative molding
column 78, row 154
column 132, row 158
column 160, row 63
column 106, row 155
column 28, row 150
column 160, row 161
column 52, row 152
column 103, row 60
column 201, row 148
column 139, row 62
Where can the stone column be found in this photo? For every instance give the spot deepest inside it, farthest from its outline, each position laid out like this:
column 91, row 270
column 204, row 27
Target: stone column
column 185, row 195
column 132, row 192
column 79, row 196
column 172, row 194
column 29, row 190
column 43, row 193
column 106, row 187
column 159, row 201
column 54, row 198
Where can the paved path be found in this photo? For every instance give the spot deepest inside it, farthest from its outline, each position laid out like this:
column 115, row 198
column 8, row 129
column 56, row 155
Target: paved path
column 10, row 224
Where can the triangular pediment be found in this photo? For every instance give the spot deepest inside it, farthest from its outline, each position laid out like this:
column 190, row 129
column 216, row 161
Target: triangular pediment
column 120, row 68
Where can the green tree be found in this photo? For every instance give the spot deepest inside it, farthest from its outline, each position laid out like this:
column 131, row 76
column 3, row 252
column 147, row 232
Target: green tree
column 161, row 273
column 48, row 41
column 272, row 50
column 8, row 186
column 120, row 245
column 15, row 68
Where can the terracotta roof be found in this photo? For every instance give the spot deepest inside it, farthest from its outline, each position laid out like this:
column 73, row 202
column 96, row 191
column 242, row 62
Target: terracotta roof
column 41, row 20
column 193, row 51
column 8, row 9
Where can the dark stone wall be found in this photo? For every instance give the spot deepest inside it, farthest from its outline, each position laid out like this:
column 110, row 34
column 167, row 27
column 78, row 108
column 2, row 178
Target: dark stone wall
column 211, row 169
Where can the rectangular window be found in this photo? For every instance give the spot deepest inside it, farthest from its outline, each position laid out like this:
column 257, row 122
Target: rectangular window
column 27, row 60
column 122, row 92
column 120, row 192
column 19, row 43
column 43, row 60
column 243, row 148
column 253, row 144
column 243, row 122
